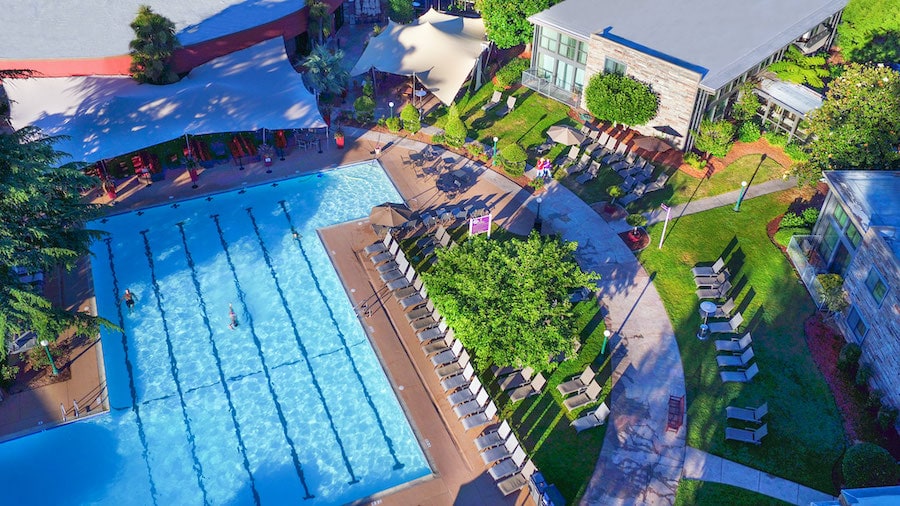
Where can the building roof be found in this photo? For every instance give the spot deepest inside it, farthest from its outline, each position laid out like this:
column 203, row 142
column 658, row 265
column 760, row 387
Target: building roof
column 873, row 197
column 54, row 29
column 795, row 97
column 720, row 39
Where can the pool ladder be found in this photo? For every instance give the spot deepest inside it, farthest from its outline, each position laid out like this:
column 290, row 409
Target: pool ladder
column 367, row 307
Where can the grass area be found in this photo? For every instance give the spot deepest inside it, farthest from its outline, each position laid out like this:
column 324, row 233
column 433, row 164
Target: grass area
column 806, row 437
column 707, row 493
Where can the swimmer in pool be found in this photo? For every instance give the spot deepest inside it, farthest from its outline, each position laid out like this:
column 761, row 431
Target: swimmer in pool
column 232, row 317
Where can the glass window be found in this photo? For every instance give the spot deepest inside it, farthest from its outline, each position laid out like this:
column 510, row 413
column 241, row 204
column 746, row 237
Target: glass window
column 876, row 285
column 547, row 66
column 856, row 324
column 613, row 67
column 840, row 216
column 579, row 79
column 565, row 74
column 567, row 46
column 829, row 239
column 853, row 236
column 549, row 39
column 582, row 54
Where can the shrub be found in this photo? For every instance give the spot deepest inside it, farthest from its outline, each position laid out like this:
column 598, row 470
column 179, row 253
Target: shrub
column 381, row 121
column 749, row 132
column 364, row 107
column 614, row 192
column 512, row 157
column 393, row 124
column 863, row 373
column 636, row 220
column 810, row 215
column 410, row 116
column 834, row 298
column 367, row 88
column 620, row 99
column 776, row 139
column 714, row 137
column 694, row 160
column 796, row 152
column 849, row 357
column 511, row 73
column 868, row 465
column 791, row 220
column 560, row 173
column 7, row 374
column 401, row 11
column 873, row 401
column 783, row 235
column 476, row 149
column 454, row 130
column 438, row 139
column 537, row 183
column 745, row 107
column 887, row 417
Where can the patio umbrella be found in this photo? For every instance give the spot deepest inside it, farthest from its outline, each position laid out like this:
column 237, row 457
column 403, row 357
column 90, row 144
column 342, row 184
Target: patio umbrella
column 390, row 214
column 564, row 135
column 651, row 144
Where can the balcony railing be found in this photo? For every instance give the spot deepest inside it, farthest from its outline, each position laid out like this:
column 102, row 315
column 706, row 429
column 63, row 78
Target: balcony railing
column 814, row 43
column 530, row 79
column 803, row 253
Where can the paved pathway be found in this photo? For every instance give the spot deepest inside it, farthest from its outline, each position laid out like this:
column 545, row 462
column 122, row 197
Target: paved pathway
column 699, row 465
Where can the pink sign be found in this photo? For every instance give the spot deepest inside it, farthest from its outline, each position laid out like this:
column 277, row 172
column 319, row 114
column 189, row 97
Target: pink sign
column 480, row 225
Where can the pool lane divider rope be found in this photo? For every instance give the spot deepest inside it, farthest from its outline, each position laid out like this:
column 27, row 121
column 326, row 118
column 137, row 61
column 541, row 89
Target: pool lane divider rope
column 135, row 407
column 346, row 348
column 173, row 367
column 204, row 314
column 303, row 351
column 242, row 298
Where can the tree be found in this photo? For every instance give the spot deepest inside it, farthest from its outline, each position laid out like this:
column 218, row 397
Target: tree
column 43, row 218
column 325, row 70
column 870, row 31
column 747, row 104
column 858, row 125
column 508, row 300
column 714, row 137
column 869, row 465
column 614, row 192
column 410, row 116
column 365, row 108
column 507, row 22
column 152, row 48
column 455, row 130
column 636, row 220
column 318, row 18
column 620, row 99
column 401, row 11
column 512, row 157
column 801, row 69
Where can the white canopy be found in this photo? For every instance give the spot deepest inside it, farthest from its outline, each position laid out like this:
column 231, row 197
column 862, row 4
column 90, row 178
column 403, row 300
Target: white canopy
column 441, row 50
column 109, row 116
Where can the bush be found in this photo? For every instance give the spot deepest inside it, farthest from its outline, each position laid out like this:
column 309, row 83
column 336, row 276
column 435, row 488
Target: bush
column 714, row 137
column 7, row 374
column 749, row 132
column 636, row 220
column 455, row 130
column 381, row 121
column 401, row 11
column 783, row 236
column 410, row 116
column 367, row 88
column 833, row 296
column 614, row 192
column 392, row 124
column 512, row 157
column 364, row 107
column 537, row 183
column 873, row 401
column 694, row 160
column 810, row 215
column 476, row 149
column 849, row 357
column 796, row 152
column 620, row 99
column 560, row 173
column 887, row 417
column 791, row 220
column 863, row 374
column 776, row 139
column 868, row 465
column 438, row 139
column 511, row 73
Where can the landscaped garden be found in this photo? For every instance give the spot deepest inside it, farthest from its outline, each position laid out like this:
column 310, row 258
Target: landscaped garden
column 805, row 439
column 692, row 492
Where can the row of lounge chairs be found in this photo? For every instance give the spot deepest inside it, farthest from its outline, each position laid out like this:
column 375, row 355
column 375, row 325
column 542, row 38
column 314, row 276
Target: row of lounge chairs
column 583, row 390
column 519, row 384
column 737, row 355
column 753, row 428
column 447, row 217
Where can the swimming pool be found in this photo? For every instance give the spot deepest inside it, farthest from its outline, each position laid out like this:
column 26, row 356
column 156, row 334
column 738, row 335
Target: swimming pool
column 290, row 406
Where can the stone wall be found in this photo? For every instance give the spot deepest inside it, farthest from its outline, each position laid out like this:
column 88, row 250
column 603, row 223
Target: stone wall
column 676, row 86
column 881, row 346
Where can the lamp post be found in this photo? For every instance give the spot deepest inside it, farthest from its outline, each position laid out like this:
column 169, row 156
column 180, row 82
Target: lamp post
column 46, row 346
column 537, row 217
column 606, row 335
column 494, row 151
column 391, row 105
column 737, row 205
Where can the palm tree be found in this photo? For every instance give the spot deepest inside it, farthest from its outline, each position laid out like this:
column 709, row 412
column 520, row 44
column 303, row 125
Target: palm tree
column 318, row 15
column 152, row 48
column 800, row 69
column 325, row 71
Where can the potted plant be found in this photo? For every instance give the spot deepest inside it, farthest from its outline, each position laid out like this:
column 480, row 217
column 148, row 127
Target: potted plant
column 614, row 192
column 636, row 221
column 339, row 138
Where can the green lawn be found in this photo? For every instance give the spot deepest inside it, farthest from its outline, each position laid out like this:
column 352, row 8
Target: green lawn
column 805, row 434
column 707, row 493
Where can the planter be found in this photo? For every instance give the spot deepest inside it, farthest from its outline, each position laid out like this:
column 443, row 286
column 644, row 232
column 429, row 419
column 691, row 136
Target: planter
column 339, row 142
column 636, row 241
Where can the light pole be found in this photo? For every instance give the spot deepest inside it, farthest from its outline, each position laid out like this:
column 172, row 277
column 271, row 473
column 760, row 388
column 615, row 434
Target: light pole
column 391, row 105
column 537, row 218
column 737, row 205
column 606, row 335
column 494, row 151
column 46, row 346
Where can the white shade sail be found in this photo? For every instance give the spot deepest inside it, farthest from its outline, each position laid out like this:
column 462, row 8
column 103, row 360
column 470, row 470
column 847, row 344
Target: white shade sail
column 106, row 116
column 441, row 50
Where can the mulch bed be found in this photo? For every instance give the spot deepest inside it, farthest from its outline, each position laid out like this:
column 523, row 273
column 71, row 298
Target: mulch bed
column 64, row 351
column 610, row 212
column 738, row 150
column 636, row 242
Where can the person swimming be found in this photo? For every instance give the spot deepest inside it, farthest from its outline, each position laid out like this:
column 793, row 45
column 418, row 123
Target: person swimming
column 129, row 299
column 232, row 317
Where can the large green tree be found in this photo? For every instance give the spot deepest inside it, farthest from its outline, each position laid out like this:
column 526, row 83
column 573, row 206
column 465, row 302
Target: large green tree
column 152, row 48
column 508, row 300
column 506, row 21
column 620, row 99
column 401, row 11
column 870, row 31
column 325, row 71
column 714, row 137
column 858, row 125
column 43, row 216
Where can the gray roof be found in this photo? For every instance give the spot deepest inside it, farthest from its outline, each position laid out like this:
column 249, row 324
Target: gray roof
column 720, row 39
column 872, row 197
column 39, row 29
column 795, row 97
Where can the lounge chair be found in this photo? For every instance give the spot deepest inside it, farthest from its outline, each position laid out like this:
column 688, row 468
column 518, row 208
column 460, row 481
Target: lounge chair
column 635, row 194
column 747, row 414
column 754, row 436
column 439, row 345
column 589, row 175
column 735, row 360
column 453, row 368
column 382, row 257
column 741, row 375
column 571, row 156
column 469, row 408
column 426, row 323
column 515, row 482
column 710, row 281
column 501, row 452
column 579, row 384
column 504, row 110
column 495, row 99
column 420, row 312
column 387, row 266
column 480, row 419
column 510, row 466
column 590, row 394
column 729, row 327
column 380, row 246
column 734, row 345
column 503, row 371
column 414, row 299
column 712, row 270
column 458, row 380
column 448, row 356
column 532, row 388
column 494, row 437
column 466, row 394
column 724, row 311
column 407, row 283
column 580, row 166
column 593, row 419
column 659, row 184
column 714, row 293
column 516, row 380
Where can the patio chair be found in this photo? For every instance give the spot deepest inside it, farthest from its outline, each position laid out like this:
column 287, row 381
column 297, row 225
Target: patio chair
column 481, row 418
column 724, row 311
column 516, row 380
column 458, row 380
column 628, row 184
column 498, row 371
column 714, row 293
column 710, row 281
column 578, row 384
column 754, row 415
column 754, row 436
column 466, row 394
column 438, row 345
column 470, row 408
column 494, row 437
column 413, row 283
column 505, row 109
column 620, row 166
column 380, row 246
column 589, row 175
column 622, row 149
column 414, row 299
column 387, row 266
column 635, row 194
column 510, row 466
column 533, row 388
column 590, row 394
column 453, row 368
column 493, row 102
column 734, row 345
column 392, row 275
column 729, row 327
column 611, row 143
column 603, row 138
column 500, row 452
column 447, row 356
column 581, row 165
column 515, row 482
column 741, row 375
column 420, row 312
column 712, row 270
column 593, row 419
column 659, row 184
column 735, row 360
column 426, row 323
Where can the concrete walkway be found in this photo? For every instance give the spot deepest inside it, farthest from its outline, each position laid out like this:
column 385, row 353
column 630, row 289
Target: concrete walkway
column 699, row 465
column 640, row 462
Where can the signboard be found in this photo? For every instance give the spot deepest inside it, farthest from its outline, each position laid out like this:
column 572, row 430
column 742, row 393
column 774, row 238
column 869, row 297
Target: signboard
column 480, row 225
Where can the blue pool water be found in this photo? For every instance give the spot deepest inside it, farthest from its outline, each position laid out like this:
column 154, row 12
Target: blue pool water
column 290, row 407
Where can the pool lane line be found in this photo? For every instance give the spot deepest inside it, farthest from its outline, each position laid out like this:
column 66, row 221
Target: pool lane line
column 242, row 298
column 135, row 407
column 346, row 348
column 204, row 314
column 173, row 367
column 303, row 351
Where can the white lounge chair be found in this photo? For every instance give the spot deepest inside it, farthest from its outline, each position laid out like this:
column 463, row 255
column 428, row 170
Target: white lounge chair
column 734, row 345
column 590, row 394
column 739, row 376
column 593, row 419
column 493, row 437
column 578, row 384
column 729, row 327
column 467, row 394
column 459, row 380
column 480, row 419
column 510, row 105
column 516, row 380
column 447, row 356
column 735, row 360
column 431, row 334
column 518, row 480
column 454, row 368
column 747, row 436
column 747, row 414
column 500, row 452
column 724, row 311
column 495, row 99
column 533, row 388
column 712, row 270
column 439, row 345
column 714, row 293
column 469, row 408
column 710, row 281
column 510, row 466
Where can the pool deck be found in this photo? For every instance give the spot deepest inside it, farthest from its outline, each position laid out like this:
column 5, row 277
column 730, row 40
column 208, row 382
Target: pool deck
column 459, row 476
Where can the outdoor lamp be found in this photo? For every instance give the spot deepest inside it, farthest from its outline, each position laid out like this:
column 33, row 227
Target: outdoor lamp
column 539, row 200
column 737, row 205
column 494, row 151
column 46, row 345
column 391, row 105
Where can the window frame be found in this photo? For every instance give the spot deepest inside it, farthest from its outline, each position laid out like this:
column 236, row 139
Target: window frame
column 854, row 320
column 616, row 65
column 872, row 285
